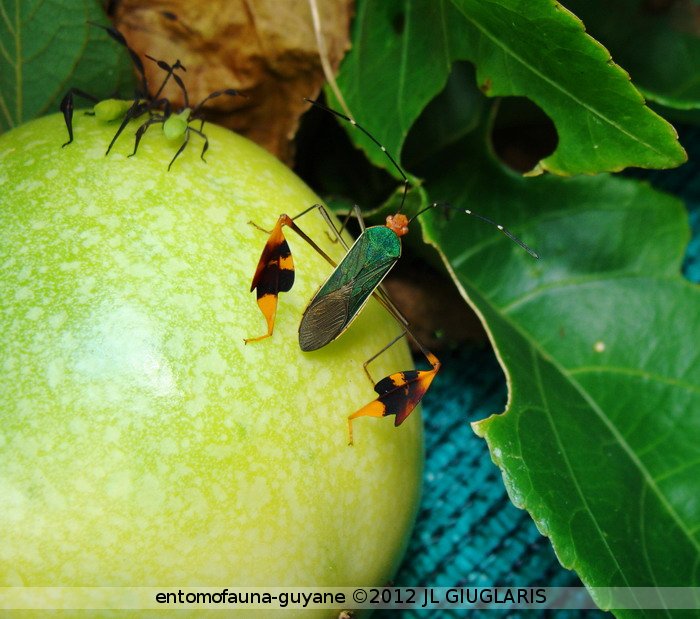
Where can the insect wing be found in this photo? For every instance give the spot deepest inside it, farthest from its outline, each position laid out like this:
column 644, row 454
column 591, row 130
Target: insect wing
column 325, row 319
column 348, row 288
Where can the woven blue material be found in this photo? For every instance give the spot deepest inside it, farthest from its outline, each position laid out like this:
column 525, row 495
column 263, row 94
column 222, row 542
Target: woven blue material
column 468, row 533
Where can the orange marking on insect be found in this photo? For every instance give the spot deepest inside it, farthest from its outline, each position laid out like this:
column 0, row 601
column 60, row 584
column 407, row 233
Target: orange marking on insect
column 397, row 223
column 374, row 409
column 268, row 306
column 399, row 394
column 274, row 274
column 287, row 263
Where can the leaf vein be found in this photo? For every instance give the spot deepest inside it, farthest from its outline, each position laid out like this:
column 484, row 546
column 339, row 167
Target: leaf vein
column 403, row 63
column 516, row 57
column 6, row 18
column 648, row 478
column 6, row 54
column 6, row 111
column 636, row 372
column 564, row 454
column 678, row 469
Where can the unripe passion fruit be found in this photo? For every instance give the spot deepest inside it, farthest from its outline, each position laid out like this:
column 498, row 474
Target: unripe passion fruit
column 142, row 443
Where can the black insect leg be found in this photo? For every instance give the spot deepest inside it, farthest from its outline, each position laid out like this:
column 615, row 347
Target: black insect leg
column 232, row 92
column 142, row 130
column 182, row 147
column 186, row 141
column 200, row 133
column 373, row 357
column 67, row 106
column 138, row 108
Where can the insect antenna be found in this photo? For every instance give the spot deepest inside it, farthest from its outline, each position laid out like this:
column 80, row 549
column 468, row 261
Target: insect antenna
column 231, row 92
column 169, row 72
column 371, row 137
column 135, row 59
column 180, row 83
column 467, row 211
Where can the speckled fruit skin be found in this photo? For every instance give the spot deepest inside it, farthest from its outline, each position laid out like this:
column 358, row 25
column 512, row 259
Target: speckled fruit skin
column 142, row 443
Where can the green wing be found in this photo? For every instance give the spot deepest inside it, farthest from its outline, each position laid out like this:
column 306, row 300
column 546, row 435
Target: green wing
column 349, row 287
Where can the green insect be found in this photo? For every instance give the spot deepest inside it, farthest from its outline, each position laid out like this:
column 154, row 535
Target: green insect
column 113, row 109
column 341, row 298
column 177, row 125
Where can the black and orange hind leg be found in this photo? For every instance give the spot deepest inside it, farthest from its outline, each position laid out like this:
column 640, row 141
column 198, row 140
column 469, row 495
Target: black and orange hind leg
column 401, row 392
column 275, row 270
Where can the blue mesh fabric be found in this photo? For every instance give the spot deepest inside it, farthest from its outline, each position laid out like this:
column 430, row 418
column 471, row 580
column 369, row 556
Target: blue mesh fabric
column 468, row 533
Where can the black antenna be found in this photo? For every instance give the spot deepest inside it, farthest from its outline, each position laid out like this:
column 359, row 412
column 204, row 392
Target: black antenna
column 135, row 59
column 371, row 137
column 503, row 229
column 170, row 72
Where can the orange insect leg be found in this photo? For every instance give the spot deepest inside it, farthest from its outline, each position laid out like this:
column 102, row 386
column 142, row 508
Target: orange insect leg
column 268, row 306
column 399, row 394
column 273, row 274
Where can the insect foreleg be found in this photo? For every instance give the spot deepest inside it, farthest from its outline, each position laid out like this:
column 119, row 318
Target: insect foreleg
column 338, row 234
column 206, row 141
column 275, row 270
column 320, row 207
column 327, row 218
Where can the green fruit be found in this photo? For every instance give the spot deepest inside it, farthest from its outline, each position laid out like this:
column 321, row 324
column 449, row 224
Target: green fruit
column 142, row 443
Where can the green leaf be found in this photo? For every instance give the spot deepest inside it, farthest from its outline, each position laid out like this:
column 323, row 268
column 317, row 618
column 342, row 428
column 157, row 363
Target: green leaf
column 46, row 47
column 403, row 53
column 454, row 113
column 659, row 47
column 598, row 340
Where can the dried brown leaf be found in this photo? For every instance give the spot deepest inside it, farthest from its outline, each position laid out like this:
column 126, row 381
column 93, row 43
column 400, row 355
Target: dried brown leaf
column 266, row 48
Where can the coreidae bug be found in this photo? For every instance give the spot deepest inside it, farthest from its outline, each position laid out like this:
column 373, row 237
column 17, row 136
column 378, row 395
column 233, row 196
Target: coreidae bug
column 176, row 124
column 346, row 291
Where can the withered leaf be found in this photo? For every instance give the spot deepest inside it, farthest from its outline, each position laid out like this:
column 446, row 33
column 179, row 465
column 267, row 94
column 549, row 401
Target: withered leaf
column 265, row 48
